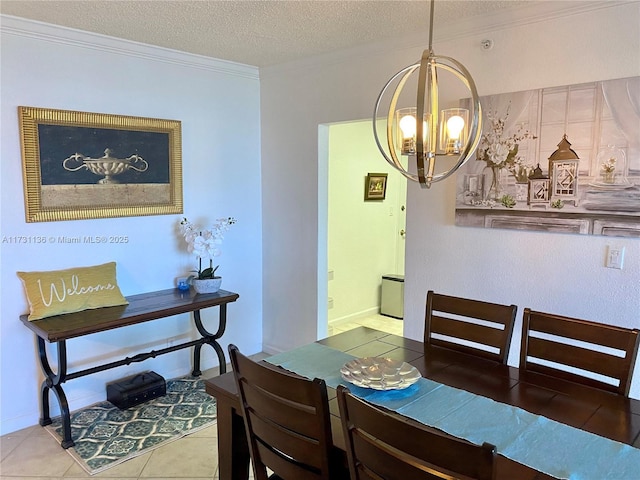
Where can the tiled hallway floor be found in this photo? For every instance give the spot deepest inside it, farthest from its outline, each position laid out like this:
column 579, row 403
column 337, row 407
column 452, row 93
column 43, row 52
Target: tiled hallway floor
column 379, row 322
column 33, row 454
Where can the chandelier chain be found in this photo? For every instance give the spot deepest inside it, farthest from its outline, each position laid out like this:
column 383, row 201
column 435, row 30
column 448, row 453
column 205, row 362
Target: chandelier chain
column 431, row 26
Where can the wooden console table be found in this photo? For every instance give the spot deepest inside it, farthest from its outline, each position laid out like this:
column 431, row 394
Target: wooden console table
column 141, row 308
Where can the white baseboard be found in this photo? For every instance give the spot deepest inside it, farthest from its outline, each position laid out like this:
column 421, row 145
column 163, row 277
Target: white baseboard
column 355, row 316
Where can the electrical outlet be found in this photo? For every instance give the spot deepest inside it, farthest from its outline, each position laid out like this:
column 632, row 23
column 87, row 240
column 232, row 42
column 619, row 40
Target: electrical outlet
column 615, row 257
column 330, row 303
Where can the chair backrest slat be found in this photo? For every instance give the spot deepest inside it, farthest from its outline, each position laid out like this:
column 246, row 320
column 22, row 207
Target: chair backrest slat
column 386, row 446
column 454, row 322
column 571, row 343
column 286, row 419
column 271, row 407
column 472, row 332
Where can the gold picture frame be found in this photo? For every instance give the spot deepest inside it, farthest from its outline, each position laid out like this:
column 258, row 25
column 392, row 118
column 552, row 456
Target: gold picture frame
column 375, row 186
column 82, row 165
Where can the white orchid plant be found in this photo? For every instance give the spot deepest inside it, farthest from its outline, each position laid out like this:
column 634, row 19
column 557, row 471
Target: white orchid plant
column 205, row 243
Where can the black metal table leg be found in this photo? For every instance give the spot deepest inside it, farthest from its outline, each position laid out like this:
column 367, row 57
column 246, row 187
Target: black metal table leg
column 210, row 339
column 53, row 382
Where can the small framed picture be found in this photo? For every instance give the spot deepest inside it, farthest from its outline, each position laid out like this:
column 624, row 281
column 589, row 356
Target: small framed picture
column 375, row 186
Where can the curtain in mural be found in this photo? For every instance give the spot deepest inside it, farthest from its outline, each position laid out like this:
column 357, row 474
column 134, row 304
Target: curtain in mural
column 623, row 99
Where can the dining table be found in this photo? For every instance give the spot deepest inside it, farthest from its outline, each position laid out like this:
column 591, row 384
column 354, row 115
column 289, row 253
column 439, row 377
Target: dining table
column 605, row 416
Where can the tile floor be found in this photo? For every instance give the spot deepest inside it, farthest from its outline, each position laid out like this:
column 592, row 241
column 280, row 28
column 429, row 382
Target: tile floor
column 33, row 454
column 379, row 322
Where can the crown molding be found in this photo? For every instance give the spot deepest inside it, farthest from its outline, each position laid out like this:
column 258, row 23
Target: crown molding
column 528, row 14
column 20, row 27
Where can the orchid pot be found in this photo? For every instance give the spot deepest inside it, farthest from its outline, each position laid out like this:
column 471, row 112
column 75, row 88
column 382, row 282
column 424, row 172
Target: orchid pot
column 206, row 285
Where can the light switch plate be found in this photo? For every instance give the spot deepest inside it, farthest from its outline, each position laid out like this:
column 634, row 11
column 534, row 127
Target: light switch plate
column 615, row 257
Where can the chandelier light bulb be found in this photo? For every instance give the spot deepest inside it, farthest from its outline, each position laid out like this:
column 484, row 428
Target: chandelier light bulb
column 453, row 130
column 406, row 123
column 455, row 125
column 408, row 126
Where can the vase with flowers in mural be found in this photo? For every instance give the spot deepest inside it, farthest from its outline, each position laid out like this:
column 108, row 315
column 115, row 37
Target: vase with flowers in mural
column 612, row 161
column 609, row 170
column 495, row 182
column 499, row 150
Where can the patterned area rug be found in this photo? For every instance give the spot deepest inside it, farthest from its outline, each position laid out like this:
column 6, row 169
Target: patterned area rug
column 106, row 436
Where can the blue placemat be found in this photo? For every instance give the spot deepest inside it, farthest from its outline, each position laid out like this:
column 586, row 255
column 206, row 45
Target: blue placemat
column 543, row 444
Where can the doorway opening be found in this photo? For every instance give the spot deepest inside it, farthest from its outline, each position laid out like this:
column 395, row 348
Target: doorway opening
column 360, row 241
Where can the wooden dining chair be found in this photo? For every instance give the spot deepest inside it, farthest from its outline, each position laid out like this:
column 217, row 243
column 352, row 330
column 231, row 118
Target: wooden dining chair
column 287, row 422
column 471, row 326
column 571, row 349
column 385, row 446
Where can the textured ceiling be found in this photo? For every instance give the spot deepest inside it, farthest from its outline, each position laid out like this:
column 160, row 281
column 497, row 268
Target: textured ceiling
column 258, row 33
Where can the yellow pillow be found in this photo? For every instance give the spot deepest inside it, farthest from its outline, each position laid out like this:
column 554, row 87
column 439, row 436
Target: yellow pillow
column 72, row 290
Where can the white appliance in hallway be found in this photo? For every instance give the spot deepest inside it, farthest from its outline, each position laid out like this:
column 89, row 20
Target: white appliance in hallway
column 392, row 296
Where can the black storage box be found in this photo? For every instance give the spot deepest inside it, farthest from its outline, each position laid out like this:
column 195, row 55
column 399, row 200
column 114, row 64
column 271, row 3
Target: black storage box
column 136, row 389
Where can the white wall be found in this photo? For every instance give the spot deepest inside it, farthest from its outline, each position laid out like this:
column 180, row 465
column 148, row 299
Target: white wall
column 218, row 105
column 362, row 236
column 564, row 274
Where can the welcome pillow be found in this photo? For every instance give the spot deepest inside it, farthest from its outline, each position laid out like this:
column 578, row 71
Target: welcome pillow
column 73, row 290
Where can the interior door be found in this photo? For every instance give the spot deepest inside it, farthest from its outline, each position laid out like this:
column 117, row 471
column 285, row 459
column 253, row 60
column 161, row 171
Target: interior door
column 401, row 215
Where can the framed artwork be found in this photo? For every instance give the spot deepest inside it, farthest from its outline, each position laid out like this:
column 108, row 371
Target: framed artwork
column 375, row 186
column 561, row 159
column 81, row 165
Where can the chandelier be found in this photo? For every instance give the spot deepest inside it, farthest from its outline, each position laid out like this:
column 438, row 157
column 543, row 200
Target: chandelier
column 447, row 133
